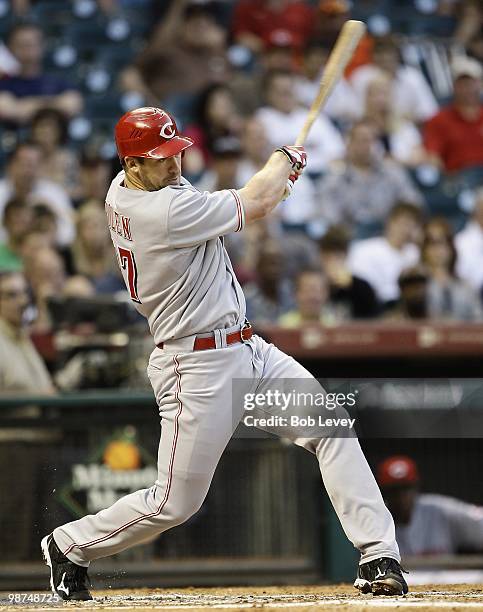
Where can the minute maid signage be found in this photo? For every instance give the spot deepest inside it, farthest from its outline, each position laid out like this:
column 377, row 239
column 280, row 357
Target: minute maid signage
column 120, row 466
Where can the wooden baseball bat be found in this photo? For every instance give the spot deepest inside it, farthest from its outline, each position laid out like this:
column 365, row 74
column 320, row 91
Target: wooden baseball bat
column 344, row 48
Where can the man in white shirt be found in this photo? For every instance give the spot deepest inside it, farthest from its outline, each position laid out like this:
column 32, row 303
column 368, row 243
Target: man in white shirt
column 469, row 247
column 361, row 189
column 22, row 181
column 380, row 261
column 411, row 94
column 283, row 119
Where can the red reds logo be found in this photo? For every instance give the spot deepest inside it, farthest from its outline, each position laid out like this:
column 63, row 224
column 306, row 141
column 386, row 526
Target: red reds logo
column 167, row 131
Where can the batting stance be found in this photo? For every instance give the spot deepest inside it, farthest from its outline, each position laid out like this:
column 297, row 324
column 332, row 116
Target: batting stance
column 168, row 240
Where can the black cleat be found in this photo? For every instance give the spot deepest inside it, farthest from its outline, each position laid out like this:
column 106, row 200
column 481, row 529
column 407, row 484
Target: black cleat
column 381, row 577
column 67, row 579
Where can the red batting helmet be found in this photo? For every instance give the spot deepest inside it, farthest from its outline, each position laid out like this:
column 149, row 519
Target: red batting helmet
column 149, row 132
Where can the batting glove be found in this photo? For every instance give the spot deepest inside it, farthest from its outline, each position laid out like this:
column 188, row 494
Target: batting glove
column 298, row 158
column 295, row 155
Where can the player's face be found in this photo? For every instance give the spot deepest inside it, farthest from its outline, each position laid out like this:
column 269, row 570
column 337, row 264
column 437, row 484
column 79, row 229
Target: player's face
column 158, row 173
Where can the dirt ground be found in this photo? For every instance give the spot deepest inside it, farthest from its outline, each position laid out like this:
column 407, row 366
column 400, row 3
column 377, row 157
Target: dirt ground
column 289, row 599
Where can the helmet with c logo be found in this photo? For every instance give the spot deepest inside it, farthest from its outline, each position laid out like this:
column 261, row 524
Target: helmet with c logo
column 149, row 132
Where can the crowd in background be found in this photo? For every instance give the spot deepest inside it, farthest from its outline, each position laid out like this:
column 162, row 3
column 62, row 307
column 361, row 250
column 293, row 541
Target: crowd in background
column 387, row 221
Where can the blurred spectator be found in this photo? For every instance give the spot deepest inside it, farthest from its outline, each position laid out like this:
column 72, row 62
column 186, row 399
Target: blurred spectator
column 379, row 261
column 283, row 119
column 46, row 275
column 22, row 181
column 470, row 28
column 221, row 173
column 94, row 179
column 312, row 301
column 331, row 17
column 411, row 94
column 399, row 137
column 351, row 296
column 93, row 256
column 58, row 163
column 469, row 246
column 255, row 21
column 17, row 221
column 21, row 368
column 299, row 209
column 299, row 250
column 448, row 296
column 216, row 116
column 31, row 243
column 413, row 299
column 191, row 48
column 454, row 137
column 342, row 104
column 427, row 524
column 247, row 87
column 270, row 295
column 8, row 64
column 31, row 89
column 363, row 188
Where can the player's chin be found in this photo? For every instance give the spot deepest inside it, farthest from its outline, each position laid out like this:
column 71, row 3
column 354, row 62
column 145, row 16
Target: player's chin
column 172, row 181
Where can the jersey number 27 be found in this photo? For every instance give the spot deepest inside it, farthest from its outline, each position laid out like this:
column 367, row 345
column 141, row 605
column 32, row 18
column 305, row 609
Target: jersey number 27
column 128, row 265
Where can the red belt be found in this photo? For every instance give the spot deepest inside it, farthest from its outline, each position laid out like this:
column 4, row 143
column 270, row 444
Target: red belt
column 203, row 344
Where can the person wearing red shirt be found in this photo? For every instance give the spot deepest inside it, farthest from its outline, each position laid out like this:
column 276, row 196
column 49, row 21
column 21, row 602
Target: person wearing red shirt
column 454, row 137
column 255, row 22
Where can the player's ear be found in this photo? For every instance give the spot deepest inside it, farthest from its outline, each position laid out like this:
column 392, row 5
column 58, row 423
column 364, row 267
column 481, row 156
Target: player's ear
column 131, row 164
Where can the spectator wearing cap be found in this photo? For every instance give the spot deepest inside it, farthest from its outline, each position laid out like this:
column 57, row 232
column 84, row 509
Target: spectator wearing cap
column 256, row 21
column 17, row 221
column 283, row 118
column 362, row 188
column 380, row 260
column 351, row 296
column 454, row 137
column 427, row 524
column 185, row 53
column 469, row 247
column 411, row 94
column 30, row 89
column 21, row 367
column 23, row 181
column 342, row 104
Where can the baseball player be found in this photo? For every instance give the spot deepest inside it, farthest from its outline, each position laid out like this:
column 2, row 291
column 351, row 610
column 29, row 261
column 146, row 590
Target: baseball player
column 168, row 238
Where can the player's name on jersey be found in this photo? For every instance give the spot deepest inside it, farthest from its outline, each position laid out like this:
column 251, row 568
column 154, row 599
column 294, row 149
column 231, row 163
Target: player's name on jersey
column 118, row 223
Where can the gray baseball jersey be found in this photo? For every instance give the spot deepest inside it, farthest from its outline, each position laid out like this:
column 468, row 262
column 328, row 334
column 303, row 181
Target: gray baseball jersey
column 174, row 263
column 179, row 274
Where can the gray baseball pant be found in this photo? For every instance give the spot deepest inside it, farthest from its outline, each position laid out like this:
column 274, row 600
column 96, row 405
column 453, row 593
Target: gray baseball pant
column 199, row 415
